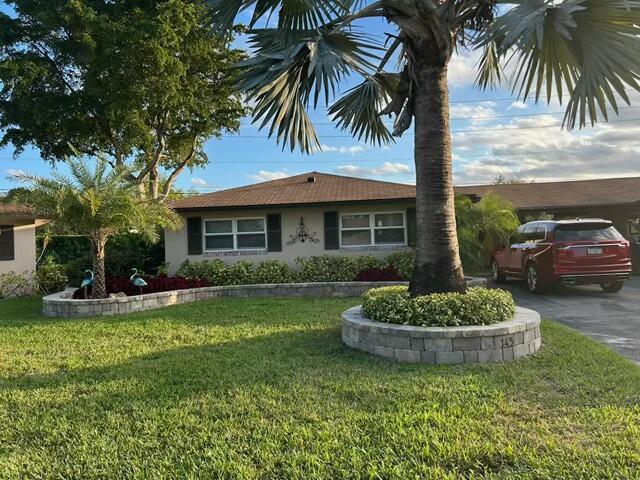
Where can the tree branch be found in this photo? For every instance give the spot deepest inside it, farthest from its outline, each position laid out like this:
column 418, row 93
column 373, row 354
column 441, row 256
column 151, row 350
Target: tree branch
column 166, row 190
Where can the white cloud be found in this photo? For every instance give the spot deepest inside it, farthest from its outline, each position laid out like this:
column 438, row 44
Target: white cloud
column 546, row 154
column 387, row 168
column 462, row 69
column 518, row 106
column 342, row 149
column 265, row 175
column 477, row 113
column 199, row 182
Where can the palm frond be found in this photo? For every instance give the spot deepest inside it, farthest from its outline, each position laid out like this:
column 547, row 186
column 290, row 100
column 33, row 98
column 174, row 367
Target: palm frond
column 284, row 78
column 291, row 14
column 586, row 48
column 358, row 111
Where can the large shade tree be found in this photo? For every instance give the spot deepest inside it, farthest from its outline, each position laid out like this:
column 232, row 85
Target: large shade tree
column 584, row 51
column 142, row 82
column 97, row 204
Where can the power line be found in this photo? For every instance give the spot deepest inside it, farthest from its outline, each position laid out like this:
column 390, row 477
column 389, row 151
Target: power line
column 472, row 130
column 351, row 158
column 482, row 117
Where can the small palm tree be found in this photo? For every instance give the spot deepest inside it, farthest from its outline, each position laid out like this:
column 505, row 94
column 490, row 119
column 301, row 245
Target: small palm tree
column 586, row 50
column 482, row 227
column 97, row 204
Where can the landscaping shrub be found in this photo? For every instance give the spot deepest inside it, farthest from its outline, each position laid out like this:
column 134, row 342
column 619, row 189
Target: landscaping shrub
column 274, row 271
column 241, row 273
column 387, row 304
column 159, row 283
column 378, row 274
column 214, row 272
column 403, row 262
column 50, row 276
column 329, row 268
column 14, row 284
column 479, row 306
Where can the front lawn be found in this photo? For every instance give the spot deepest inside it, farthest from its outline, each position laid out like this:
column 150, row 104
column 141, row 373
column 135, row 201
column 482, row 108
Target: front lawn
column 264, row 388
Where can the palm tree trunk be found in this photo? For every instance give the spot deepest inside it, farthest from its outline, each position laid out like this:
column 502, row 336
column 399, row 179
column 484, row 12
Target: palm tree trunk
column 99, row 289
column 438, row 267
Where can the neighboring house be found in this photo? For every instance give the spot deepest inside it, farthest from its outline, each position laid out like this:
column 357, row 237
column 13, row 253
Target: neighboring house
column 17, row 239
column 616, row 199
column 300, row 216
column 317, row 213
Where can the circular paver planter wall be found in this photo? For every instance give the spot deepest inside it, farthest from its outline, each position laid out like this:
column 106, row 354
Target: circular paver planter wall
column 501, row 342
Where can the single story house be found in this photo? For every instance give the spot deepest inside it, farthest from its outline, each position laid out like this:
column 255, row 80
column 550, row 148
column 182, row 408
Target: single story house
column 318, row 213
column 300, row 216
column 17, row 239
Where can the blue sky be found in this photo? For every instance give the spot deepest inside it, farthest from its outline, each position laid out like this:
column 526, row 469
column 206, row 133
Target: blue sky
column 493, row 133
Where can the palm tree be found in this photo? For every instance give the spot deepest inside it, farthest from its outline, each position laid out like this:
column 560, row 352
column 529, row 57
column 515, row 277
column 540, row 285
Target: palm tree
column 585, row 50
column 97, row 204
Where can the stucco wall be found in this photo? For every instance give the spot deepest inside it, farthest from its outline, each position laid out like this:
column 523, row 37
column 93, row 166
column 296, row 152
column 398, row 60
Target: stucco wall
column 24, row 232
column 176, row 241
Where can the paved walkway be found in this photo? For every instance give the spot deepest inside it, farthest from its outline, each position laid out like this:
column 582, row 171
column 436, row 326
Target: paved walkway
column 613, row 319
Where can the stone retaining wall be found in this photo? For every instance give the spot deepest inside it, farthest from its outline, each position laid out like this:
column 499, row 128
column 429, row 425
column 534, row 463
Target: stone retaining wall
column 63, row 305
column 501, row 342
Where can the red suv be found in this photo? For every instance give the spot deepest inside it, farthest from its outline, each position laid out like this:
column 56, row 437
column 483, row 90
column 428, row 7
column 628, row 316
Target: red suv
column 572, row 252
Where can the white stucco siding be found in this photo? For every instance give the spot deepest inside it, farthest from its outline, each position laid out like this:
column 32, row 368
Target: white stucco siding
column 24, row 232
column 176, row 241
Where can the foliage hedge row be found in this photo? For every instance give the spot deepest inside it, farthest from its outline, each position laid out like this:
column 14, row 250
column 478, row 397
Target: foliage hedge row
column 479, row 306
column 325, row 268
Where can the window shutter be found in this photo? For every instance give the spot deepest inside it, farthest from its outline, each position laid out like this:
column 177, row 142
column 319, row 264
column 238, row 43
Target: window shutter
column 194, row 235
column 7, row 249
column 274, row 232
column 411, row 227
column 331, row 231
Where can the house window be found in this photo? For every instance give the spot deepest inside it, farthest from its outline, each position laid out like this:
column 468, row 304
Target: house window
column 7, row 249
column 357, row 230
column 235, row 234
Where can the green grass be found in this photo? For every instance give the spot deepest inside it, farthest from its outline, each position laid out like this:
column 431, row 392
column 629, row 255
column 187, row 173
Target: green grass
column 240, row 388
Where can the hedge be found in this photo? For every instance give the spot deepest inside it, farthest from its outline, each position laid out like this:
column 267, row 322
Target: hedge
column 479, row 306
column 325, row 268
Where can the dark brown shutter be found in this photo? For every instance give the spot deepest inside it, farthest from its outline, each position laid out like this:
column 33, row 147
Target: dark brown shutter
column 411, row 227
column 7, row 248
column 331, row 231
column 274, row 232
column 194, row 235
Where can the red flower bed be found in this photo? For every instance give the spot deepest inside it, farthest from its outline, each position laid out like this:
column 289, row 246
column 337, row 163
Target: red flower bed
column 160, row 283
column 377, row 274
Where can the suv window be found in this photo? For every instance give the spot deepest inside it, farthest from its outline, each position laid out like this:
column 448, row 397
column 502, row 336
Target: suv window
column 587, row 233
column 536, row 233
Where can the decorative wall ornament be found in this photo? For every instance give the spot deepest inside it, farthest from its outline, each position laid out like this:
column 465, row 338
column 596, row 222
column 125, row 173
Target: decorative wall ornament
column 302, row 235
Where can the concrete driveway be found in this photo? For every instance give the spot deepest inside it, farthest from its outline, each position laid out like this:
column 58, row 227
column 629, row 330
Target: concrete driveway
column 610, row 318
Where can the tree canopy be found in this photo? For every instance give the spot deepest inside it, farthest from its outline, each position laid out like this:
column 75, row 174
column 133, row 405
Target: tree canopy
column 143, row 82
column 97, row 204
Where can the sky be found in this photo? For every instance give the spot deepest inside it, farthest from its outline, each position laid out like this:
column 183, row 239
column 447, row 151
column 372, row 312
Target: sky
column 494, row 133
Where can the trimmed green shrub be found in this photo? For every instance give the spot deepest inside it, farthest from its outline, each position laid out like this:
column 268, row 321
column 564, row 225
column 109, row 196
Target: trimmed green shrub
column 241, row 273
column 479, row 306
column 329, row 268
column 50, row 276
column 274, row 271
column 387, row 304
column 214, row 272
column 14, row 284
column 403, row 262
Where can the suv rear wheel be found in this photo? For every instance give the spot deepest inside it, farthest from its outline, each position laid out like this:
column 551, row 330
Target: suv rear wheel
column 534, row 282
column 496, row 274
column 612, row 287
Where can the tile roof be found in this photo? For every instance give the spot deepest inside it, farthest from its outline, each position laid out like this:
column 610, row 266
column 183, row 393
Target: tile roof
column 298, row 190
column 327, row 188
